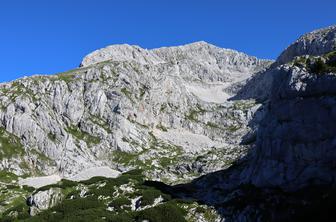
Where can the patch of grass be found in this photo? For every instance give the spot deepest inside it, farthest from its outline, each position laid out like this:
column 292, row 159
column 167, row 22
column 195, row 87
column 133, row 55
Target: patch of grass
column 233, row 128
column 148, row 196
column 52, row 137
column 119, row 203
column 318, row 65
column 67, row 76
column 40, row 155
column 7, row 177
column 101, row 122
column 63, row 184
column 10, row 145
column 163, row 107
column 81, row 135
column 161, row 127
column 19, row 90
column 243, row 104
column 143, row 89
column 125, row 158
column 127, row 93
column 163, row 213
column 193, row 113
column 93, row 208
column 212, row 125
column 28, row 188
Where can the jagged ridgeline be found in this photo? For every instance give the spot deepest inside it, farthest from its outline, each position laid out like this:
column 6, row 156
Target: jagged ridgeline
column 85, row 145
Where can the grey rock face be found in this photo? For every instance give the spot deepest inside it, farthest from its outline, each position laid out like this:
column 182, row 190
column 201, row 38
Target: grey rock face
column 179, row 113
column 296, row 142
column 289, row 172
column 315, row 43
column 121, row 53
column 129, row 107
column 44, row 200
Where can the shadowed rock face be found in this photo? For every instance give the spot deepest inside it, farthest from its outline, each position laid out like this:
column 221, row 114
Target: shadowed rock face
column 296, row 139
column 291, row 169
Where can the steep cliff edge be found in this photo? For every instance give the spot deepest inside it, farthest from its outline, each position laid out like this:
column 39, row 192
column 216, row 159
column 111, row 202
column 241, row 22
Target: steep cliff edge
column 293, row 161
column 175, row 114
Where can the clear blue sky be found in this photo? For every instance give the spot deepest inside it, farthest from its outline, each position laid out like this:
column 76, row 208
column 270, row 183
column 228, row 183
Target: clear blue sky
column 49, row 36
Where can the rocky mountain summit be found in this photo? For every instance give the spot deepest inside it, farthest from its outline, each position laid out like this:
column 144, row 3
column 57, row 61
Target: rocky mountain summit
column 256, row 134
column 120, row 112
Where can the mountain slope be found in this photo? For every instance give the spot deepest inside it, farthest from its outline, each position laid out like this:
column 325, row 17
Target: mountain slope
column 289, row 174
column 257, row 135
column 119, row 112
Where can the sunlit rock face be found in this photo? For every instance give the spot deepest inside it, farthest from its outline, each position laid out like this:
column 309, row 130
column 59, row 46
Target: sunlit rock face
column 262, row 134
column 315, row 43
column 165, row 110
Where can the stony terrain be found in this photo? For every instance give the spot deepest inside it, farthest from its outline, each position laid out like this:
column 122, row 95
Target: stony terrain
column 168, row 103
column 260, row 132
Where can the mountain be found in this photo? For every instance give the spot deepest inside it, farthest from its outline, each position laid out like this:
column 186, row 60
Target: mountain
column 126, row 104
column 233, row 137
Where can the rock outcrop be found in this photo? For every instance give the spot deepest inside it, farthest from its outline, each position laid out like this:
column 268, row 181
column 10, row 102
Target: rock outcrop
column 44, row 200
column 315, row 43
column 292, row 163
column 127, row 105
column 177, row 113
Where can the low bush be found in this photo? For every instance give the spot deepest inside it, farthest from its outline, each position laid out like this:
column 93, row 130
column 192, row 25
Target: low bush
column 149, row 195
column 119, row 202
column 163, row 213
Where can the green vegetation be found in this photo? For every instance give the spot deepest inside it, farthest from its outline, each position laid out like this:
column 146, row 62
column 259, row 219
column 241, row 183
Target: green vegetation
column 52, row 137
column 212, row 125
column 318, row 65
column 163, row 107
column 125, row 158
column 7, row 177
column 104, row 193
column 10, row 145
column 106, row 200
column 143, row 89
column 67, row 76
column 163, row 213
column 81, row 135
column 192, row 115
column 127, row 93
column 119, row 203
column 63, row 184
column 40, row 155
column 148, row 196
column 13, row 202
column 233, row 128
column 162, row 127
column 101, row 122
column 243, row 104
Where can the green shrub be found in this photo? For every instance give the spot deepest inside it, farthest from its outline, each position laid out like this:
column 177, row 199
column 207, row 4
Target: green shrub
column 120, row 218
column 47, row 187
column 84, row 136
column 28, row 188
column 149, row 195
column 119, row 202
column 6, row 176
column 318, row 67
column 163, row 213
column 93, row 180
column 67, row 183
column 70, row 206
